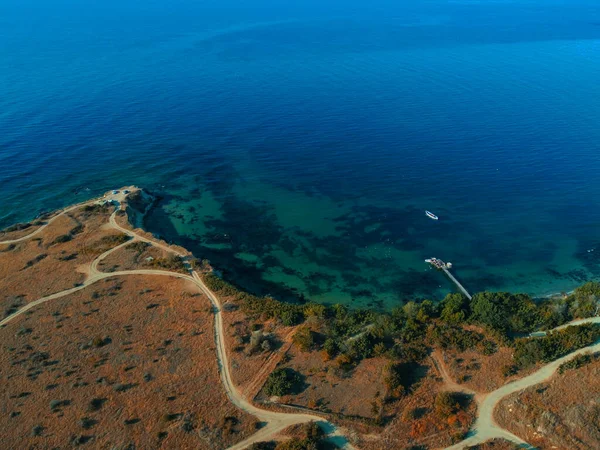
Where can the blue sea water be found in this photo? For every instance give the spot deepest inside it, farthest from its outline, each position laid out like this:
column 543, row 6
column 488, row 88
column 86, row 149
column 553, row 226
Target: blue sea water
column 297, row 146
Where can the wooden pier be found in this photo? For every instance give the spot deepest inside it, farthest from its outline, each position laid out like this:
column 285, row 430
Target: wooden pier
column 439, row 264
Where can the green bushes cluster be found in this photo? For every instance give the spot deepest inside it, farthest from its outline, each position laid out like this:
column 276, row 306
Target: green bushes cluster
column 95, row 208
column 446, row 404
column 172, row 262
column 311, row 439
column 114, row 239
column 529, row 351
column 266, row 307
column 17, row 227
column 282, row 381
column 510, row 315
column 397, row 377
column 62, row 239
column 453, row 337
column 305, row 339
column 406, row 333
column 577, row 362
column 138, row 246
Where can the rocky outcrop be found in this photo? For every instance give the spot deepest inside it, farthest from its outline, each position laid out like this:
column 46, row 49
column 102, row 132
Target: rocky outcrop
column 138, row 205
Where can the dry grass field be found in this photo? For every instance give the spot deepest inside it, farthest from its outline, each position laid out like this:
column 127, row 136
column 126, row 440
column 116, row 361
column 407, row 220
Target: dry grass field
column 562, row 413
column 128, row 360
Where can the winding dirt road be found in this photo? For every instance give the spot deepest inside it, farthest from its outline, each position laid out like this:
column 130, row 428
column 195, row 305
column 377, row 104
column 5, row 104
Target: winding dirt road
column 275, row 421
column 48, row 222
column 485, row 428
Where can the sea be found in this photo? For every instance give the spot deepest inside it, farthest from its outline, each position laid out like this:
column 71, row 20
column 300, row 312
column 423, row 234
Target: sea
column 297, row 145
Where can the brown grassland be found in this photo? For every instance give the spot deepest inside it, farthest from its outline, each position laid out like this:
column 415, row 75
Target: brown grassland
column 53, row 260
column 561, row 413
column 128, row 360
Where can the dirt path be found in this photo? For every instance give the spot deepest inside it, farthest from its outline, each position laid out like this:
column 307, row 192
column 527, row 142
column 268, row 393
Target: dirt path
column 449, row 383
column 275, row 421
column 43, row 227
column 256, row 384
column 119, row 197
column 485, row 427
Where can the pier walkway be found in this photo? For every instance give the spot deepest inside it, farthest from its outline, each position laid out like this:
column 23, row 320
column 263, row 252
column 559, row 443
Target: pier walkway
column 439, row 264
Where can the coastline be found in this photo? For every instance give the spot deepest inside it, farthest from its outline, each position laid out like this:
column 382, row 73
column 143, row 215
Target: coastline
column 151, row 200
column 352, row 344
column 182, row 266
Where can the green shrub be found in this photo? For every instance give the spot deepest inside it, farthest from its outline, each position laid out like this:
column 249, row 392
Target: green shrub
column 583, row 302
column 453, row 337
column 62, row 238
column 506, row 312
column 446, row 404
column 114, row 239
column 529, row 351
column 138, row 246
column 576, row 363
column 509, row 370
column 95, row 208
column 487, row 347
column 314, row 310
column 173, row 262
column 304, row 338
column 331, row 347
column 290, row 317
column 455, row 309
column 345, row 362
column 379, row 349
column 398, row 377
column 17, row 227
column 262, row 446
column 282, row 381
column 310, row 438
column 362, row 347
column 35, row 260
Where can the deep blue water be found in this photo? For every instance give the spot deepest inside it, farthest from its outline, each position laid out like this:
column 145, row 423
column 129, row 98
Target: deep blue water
column 297, row 146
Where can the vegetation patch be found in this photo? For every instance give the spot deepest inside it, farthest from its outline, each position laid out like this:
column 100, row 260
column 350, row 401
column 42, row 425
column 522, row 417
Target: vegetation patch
column 138, row 246
column 577, row 362
column 173, row 262
column 17, row 227
column 62, row 238
column 282, row 382
column 35, row 260
column 529, row 351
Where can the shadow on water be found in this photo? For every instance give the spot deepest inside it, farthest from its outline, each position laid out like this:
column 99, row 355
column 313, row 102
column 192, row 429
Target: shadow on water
column 244, row 276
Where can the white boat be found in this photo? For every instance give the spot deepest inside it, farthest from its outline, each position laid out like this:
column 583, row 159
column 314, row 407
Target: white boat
column 431, row 215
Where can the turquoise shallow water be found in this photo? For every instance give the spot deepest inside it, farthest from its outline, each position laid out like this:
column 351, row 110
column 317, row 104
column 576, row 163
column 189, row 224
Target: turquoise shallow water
column 297, row 147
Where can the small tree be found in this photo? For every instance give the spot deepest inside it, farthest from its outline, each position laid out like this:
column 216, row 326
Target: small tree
column 315, row 310
column 304, row 339
column 331, row 347
column 396, row 377
column 266, row 345
column 282, row 382
column 455, row 309
column 446, row 404
column 290, row 317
